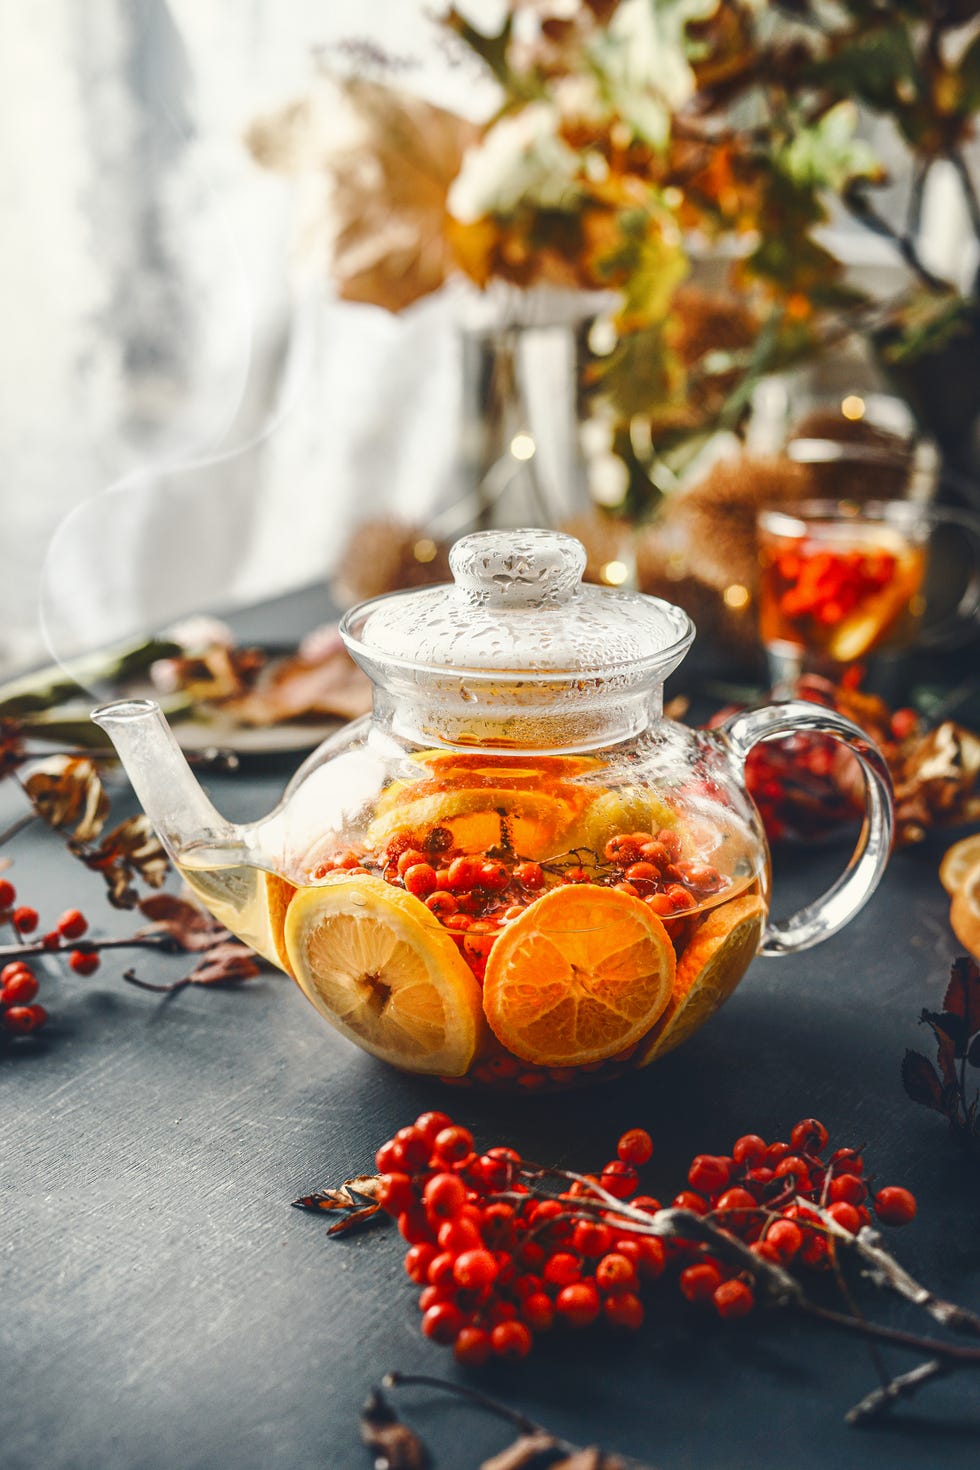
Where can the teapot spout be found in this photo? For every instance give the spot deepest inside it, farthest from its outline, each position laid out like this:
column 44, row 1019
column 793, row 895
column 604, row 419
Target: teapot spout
column 163, row 781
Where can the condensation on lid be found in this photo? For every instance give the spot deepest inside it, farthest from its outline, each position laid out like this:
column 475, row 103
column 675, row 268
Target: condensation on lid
column 518, row 603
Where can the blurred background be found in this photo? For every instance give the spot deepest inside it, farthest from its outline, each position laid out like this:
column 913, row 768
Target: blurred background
column 192, row 415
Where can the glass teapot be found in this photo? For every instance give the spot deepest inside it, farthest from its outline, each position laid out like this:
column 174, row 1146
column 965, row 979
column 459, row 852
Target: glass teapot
column 516, row 871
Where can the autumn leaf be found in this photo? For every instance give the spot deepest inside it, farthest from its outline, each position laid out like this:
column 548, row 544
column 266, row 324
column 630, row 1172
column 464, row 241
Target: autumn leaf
column 225, row 964
column 357, row 1198
column 921, row 1082
column 67, row 793
column 962, row 998
column 130, row 851
column 190, row 927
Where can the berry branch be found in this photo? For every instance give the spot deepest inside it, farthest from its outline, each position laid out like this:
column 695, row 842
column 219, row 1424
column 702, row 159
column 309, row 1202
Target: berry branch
column 503, row 1248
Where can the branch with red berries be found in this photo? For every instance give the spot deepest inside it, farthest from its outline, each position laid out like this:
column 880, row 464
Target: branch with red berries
column 504, row 1249
column 176, row 927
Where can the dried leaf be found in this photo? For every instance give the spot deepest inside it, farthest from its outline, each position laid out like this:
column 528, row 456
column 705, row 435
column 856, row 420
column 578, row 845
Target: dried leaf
column 225, row 964
column 190, row 927
column 921, row 1082
column 320, row 680
column 962, row 998
column 130, row 851
column 396, row 1446
column 68, row 793
column 948, row 1026
column 357, row 1196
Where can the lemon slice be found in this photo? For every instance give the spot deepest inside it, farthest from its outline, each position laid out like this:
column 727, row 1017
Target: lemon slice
column 382, row 970
column 711, row 966
column 957, row 862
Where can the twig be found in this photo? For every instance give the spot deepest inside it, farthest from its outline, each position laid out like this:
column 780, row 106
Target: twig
column 969, row 191
column 18, row 826
column 473, row 1395
column 880, row 1400
column 165, row 942
column 885, row 1271
column 856, row 201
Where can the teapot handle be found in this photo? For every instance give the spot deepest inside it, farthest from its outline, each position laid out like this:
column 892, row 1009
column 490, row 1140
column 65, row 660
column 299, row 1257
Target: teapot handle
column 859, row 880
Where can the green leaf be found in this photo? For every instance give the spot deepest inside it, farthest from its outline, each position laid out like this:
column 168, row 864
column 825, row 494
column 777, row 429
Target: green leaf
column 875, row 64
column 827, row 155
column 492, row 50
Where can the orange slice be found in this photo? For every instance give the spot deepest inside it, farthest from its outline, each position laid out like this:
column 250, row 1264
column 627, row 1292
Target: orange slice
column 957, row 862
column 383, row 971
column 964, row 912
column 711, row 966
column 536, row 824
column 581, row 975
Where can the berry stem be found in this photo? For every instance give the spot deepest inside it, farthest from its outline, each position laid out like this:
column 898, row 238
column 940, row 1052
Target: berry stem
column 880, row 1400
column 164, row 942
column 885, row 1271
column 474, row 1396
column 18, row 826
column 950, row 1352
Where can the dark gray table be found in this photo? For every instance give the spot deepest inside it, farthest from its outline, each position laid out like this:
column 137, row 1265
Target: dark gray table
column 164, row 1309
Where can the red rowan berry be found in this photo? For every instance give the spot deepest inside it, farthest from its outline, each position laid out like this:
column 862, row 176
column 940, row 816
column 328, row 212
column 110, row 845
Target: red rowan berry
column 766, row 1251
column 444, row 1196
column 623, row 1310
column 777, row 1151
column 529, row 875
column 417, row 1262
column 440, row 1270
column 809, row 1136
column 895, row 1205
column 442, row 904
column 472, row 1347
column 688, row 1200
column 20, row 989
column 72, row 924
column 734, row 1203
column 615, row 1272
column 795, row 1166
column 845, row 1215
column 846, row 1161
column 8, row 893
column 458, row 1236
column 618, row 1179
column 579, row 1304
column 646, row 1203
column 476, row 1268
column 412, row 1149
column 537, row 1311
column 84, row 962
column 592, row 1238
column 410, row 858
column 420, row 880
column 699, row 1282
column 734, row 1299
column 396, row 1194
column 511, row 1340
column 562, row 1269
column 25, row 919
column 635, row 1147
column 386, row 1159
column 443, row 1322
column 786, row 1237
column 651, row 1257
column 847, row 1187
column 749, row 1150
column 414, row 1227
column 709, row 1173
column 452, row 1144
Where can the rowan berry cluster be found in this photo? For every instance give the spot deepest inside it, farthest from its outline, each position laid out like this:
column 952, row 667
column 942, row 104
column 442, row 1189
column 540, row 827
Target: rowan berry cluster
column 19, row 1012
column 500, row 1257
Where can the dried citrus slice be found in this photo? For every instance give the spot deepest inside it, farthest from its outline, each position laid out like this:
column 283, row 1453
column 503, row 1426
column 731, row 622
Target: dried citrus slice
column 582, row 974
column 957, row 862
column 964, row 912
column 711, row 966
column 385, row 973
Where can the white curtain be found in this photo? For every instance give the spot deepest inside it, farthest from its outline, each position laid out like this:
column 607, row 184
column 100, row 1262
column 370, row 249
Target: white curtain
column 177, row 430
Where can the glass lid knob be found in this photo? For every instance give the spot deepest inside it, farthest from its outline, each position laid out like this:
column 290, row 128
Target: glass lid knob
column 511, row 569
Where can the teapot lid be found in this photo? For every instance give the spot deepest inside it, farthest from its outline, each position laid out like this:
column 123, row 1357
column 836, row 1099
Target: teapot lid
column 516, row 631
column 518, row 603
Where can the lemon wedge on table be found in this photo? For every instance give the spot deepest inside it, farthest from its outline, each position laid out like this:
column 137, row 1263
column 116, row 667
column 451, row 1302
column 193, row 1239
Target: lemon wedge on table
column 382, row 970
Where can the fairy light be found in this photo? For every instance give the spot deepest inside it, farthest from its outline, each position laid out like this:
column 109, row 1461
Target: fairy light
column 424, row 550
column 736, row 596
column 852, row 407
column 523, row 447
column 615, row 573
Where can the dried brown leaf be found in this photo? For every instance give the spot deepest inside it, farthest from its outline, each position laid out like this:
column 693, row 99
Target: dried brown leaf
column 358, row 1197
column 528, row 1452
column 130, row 851
column 370, row 1214
column 225, row 964
column 67, row 793
column 190, row 927
column 396, row 1446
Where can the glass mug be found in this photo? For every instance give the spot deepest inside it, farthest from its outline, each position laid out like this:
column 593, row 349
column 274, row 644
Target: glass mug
column 842, row 582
